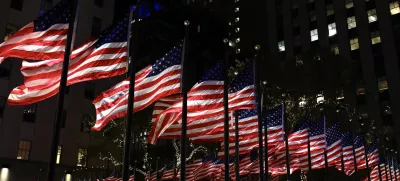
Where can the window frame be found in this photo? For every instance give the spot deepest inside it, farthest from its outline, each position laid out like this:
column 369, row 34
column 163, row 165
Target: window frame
column 351, row 22
column 375, row 37
column 281, row 46
column 314, row 33
column 354, row 41
column 332, row 27
column 372, row 16
column 394, row 7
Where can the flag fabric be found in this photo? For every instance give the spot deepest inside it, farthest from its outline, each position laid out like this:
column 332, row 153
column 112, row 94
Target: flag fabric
column 360, row 152
column 348, row 156
column 43, row 39
column 274, row 118
column 160, row 80
column 372, row 155
column 205, row 96
column 99, row 58
column 374, row 175
column 334, row 145
column 208, row 169
column 241, row 90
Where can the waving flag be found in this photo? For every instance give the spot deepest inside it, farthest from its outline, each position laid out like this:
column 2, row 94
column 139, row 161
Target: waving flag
column 96, row 59
column 372, row 155
column 274, row 118
column 241, row 90
column 360, row 153
column 348, row 156
column 334, row 145
column 160, row 80
column 43, row 39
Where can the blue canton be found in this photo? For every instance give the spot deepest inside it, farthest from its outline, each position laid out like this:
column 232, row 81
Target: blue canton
column 59, row 14
column 372, row 148
column 115, row 33
column 216, row 73
column 347, row 139
column 208, row 158
column 274, row 117
column 333, row 134
column 317, row 128
column 244, row 79
column 242, row 114
column 358, row 141
column 170, row 59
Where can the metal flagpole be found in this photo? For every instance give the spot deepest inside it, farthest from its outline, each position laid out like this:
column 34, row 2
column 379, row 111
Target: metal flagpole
column 237, row 146
column 263, row 112
column 73, row 20
column 226, row 112
column 184, row 99
column 286, row 140
column 258, row 105
column 131, row 95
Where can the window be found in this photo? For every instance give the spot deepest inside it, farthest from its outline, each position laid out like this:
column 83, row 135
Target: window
column 372, row 16
column 99, row 3
column 281, row 46
column 349, row 4
column 351, row 22
column 82, row 157
column 2, row 105
column 24, row 150
column 10, row 29
column 335, row 49
column 17, row 4
column 375, row 38
column 96, row 27
column 89, row 90
column 59, row 151
column 332, row 29
column 64, row 119
column 30, row 113
column 330, row 10
column 382, row 84
column 312, row 16
column 394, row 7
column 85, row 123
column 314, row 35
column 5, row 70
column 354, row 44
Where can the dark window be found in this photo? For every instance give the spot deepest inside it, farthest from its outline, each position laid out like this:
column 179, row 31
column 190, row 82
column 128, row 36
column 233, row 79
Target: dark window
column 96, row 26
column 99, row 3
column 30, row 113
column 17, row 4
column 5, row 70
column 89, row 91
column 10, row 29
column 64, row 119
column 85, row 123
column 2, row 105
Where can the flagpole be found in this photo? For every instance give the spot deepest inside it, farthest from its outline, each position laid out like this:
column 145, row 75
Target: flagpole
column 185, row 48
column 237, row 146
column 365, row 150
column 265, row 129
column 286, row 138
column 73, row 20
column 226, row 112
column 386, row 163
column 131, row 95
column 257, row 102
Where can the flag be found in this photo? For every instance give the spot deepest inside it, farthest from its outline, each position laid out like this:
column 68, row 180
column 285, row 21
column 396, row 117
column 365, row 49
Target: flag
column 372, row 155
column 205, row 95
column 334, row 145
column 274, row 118
column 43, row 39
column 374, row 175
column 99, row 58
column 207, row 169
column 348, row 156
column 241, row 90
column 151, row 83
column 360, row 152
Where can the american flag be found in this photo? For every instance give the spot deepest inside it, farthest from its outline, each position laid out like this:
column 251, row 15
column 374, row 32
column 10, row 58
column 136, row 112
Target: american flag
column 372, row 155
column 208, row 169
column 43, row 39
column 374, row 175
column 274, row 119
column 152, row 83
column 205, row 96
column 168, row 173
column 360, row 153
column 151, row 177
column 334, row 145
column 241, row 90
column 348, row 156
column 99, row 58
column 191, row 168
column 298, row 140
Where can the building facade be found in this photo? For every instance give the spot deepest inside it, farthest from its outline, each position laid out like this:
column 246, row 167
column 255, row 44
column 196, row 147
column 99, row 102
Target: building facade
column 366, row 32
column 26, row 131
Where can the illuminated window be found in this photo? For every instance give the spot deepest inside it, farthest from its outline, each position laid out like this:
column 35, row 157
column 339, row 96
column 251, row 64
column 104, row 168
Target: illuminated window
column 59, row 151
column 351, row 22
column 314, row 35
column 335, row 49
column 320, row 98
column 372, row 16
column 360, row 91
column 281, row 46
column 354, row 44
column 394, row 7
column 10, row 29
column 332, row 29
column 382, row 84
column 330, row 10
column 349, row 4
column 375, row 38
column 24, row 150
column 82, row 157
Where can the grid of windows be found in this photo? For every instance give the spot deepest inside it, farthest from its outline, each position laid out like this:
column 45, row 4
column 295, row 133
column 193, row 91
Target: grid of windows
column 375, row 38
column 372, row 17
column 332, row 29
column 394, row 7
column 24, row 150
column 351, row 22
column 354, row 44
column 281, row 46
column 314, row 35
column 82, row 157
